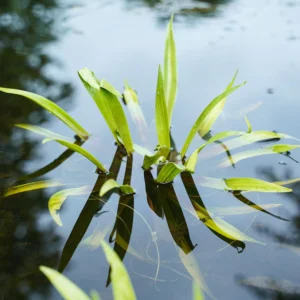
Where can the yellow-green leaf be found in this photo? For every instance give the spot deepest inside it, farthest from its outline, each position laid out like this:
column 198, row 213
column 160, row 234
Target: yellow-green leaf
column 44, row 132
column 215, row 112
column 56, row 200
column 66, row 288
column 111, row 184
column 254, row 185
column 197, row 293
column 27, row 187
column 169, row 172
column 206, row 115
column 121, row 284
column 170, row 71
column 158, row 157
column 161, row 115
column 81, row 151
column 52, row 108
column 287, row 182
column 276, row 149
column 248, row 125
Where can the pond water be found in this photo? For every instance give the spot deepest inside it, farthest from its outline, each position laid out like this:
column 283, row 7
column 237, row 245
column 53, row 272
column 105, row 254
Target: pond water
column 44, row 43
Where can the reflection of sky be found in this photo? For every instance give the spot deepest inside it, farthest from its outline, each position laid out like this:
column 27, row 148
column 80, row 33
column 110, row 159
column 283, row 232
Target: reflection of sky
column 263, row 42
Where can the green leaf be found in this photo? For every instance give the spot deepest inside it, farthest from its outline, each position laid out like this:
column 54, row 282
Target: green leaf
column 254, row 185
column 120, row 119
column 206, row 117
column 66, row 288
column 95, row 295
column 56, row 200
column 81, row 151
column 192, row 161
column 212, row 116
column 106, row 85
column 44, row 132
column 197, row 291
column 32, row 186
column 111, row 184
column 92, row 85
column 170, row 71
column 95, row 239
column 250, row 138
column 276, row 149
column 286, row 182
column 161, row 115
column 52, row 108
column 121, row 284
column 248, row 125
column 169, row 172
column 132, row 102
column 154, row 159
column 141, row 150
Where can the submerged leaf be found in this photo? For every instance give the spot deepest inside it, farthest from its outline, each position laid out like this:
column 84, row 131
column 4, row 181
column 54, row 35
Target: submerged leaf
column 32, row 186
column 206, row 115
column 44, row 132
column 276, row 149
column 66, row 288
column 161, row 114
column 95, row 239
column 52, row 108
column 111, row 184
column 170, row 76
column 169, row 172
column 121, row 284
column 83, row 152
column 56, row 200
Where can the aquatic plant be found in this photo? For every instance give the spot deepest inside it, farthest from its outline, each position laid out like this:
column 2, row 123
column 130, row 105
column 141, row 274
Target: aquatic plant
column 170, row 163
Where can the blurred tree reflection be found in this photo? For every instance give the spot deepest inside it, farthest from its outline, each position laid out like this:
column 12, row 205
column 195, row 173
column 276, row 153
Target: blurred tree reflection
column 26, row 29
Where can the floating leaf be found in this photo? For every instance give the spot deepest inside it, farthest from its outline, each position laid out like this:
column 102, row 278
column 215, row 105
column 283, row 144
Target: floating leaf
column 192, row 161
column 56, row 200
column 169, row 172
column 206, row 114
column 66, row 288
column 52, row 108
column 170, row 70
column 121, row 284
column 212, row 116
column 190, row 263
column 161, row 114
column 158, row 157
column 44, row 132
column 111, row 184
column 276, row 149
column 32, row 186
column 132, row 102
column 254, row 185
column 83, row 152
column 197, row 294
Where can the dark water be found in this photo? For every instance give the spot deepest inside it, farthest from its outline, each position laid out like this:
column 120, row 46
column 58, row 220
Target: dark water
column 44, row 43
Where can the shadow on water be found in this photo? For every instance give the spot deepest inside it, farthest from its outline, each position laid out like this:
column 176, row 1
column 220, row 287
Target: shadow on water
column 26, row 29
column 288, row 239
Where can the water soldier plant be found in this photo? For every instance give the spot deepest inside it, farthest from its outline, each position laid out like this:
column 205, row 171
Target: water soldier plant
column 170, row 163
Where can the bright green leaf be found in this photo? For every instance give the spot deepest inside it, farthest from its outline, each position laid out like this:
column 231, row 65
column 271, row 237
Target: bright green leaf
column 154, row 159
column 161, row 115
column 32, row 186
column 56, row 200
column 95, row 295
column 106, row 85
column 83, row 152
column 286, row 182
column 121, row 284
column 170, row 71
column 248, row 125
column 141, row 150
column 169, row 172
column 206, row 115
column 197, row 294
column 254, row 185
column 276, row 149
column 67, row 289
column 111, row 184
column 52, row 108
column 215, row 112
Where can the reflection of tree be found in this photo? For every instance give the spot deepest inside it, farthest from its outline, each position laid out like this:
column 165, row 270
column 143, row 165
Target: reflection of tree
column 26, row 28
column 270, row 288
column 184, row 8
